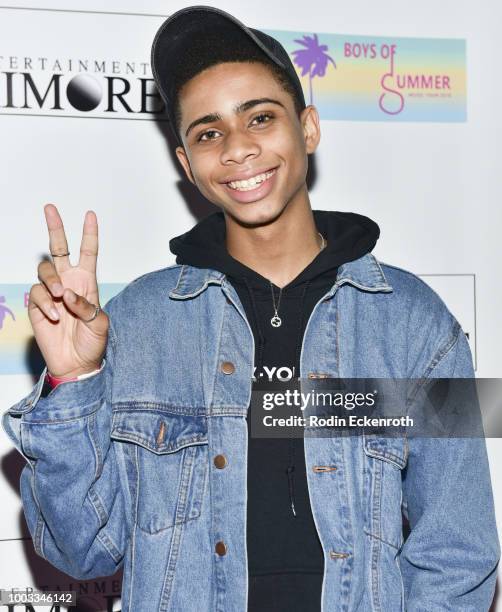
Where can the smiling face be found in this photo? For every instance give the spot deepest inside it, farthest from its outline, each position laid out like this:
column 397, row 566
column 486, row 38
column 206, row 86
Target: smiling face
column 244, row 145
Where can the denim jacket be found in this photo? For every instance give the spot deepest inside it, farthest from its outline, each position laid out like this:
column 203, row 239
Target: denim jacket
column 143, row 465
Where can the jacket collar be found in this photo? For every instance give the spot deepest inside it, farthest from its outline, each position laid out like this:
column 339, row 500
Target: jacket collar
column 364, row 273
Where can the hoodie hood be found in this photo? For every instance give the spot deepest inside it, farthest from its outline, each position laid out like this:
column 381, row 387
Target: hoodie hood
column 349, row 236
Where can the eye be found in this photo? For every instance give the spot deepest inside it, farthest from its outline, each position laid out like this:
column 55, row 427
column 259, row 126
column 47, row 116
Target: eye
column 201, row 139
column 263, row 116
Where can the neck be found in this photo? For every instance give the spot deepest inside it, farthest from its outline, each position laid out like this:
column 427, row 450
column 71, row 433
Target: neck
column 278, row 250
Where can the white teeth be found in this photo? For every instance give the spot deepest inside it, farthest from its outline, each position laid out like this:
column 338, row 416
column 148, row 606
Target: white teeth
column 251, row 183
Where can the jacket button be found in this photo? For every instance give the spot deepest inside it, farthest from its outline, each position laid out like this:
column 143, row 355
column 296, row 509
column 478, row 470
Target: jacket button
column 221, row 548
column 220, row 461
column 227, row 367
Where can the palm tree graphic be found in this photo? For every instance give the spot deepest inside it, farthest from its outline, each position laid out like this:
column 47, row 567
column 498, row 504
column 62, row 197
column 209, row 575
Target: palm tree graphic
column 4, row 310
column 313, row 59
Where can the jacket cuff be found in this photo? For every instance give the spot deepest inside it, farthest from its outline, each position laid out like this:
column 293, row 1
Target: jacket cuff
column 68, row 400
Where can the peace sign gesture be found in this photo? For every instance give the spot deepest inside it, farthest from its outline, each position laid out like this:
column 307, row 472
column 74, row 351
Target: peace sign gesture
column 70, row 329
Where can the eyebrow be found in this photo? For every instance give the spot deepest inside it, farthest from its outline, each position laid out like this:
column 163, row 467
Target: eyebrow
column 239, row 108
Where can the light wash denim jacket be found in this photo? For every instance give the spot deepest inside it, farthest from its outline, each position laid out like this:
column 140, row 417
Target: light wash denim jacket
column 121, row 466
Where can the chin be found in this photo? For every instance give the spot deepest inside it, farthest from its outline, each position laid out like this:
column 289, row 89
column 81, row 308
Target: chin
column 256, row 213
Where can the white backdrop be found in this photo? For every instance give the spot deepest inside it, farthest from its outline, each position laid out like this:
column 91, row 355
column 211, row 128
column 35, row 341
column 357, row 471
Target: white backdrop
column 434, row 188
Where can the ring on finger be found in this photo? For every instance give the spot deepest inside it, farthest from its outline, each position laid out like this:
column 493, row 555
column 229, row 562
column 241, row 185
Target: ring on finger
column 96, row 312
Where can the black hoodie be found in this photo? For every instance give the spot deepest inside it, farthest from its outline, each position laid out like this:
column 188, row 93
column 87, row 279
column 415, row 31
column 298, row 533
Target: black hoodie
column 285, row 557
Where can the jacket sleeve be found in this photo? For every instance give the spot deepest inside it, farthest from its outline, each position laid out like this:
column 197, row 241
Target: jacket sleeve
column 71, row 488
column 449, row 560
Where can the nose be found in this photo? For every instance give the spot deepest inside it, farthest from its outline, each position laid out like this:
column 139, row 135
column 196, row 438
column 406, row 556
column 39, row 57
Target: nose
column 238, row 147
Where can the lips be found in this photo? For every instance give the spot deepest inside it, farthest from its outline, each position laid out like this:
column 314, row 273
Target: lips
column 252, row 194
column 245, row 176
column 251, row 183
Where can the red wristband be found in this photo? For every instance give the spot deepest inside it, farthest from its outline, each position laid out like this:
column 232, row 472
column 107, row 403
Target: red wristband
column 54, row 380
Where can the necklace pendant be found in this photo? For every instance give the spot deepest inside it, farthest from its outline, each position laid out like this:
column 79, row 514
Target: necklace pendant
column 276, row 321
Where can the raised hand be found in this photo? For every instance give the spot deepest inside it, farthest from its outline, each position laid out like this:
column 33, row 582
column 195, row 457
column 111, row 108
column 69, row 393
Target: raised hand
column 61, row 305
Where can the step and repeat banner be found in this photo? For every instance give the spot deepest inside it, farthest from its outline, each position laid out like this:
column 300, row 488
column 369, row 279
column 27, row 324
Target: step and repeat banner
column 408, row 124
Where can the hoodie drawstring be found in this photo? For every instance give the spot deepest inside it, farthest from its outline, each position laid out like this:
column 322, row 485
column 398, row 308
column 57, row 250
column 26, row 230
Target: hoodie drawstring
column 261, row 342
column 261, row 338
column 291, row 467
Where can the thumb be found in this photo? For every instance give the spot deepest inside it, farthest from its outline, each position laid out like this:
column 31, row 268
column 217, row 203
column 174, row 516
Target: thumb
column 82, row 308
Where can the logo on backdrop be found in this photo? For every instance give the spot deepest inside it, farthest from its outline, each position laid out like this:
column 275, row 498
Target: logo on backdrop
column 4, row 311
column 96, row 87
column 380, row 78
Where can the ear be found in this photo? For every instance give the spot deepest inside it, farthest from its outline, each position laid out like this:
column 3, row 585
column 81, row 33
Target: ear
column 309, row 120
column 183, row 159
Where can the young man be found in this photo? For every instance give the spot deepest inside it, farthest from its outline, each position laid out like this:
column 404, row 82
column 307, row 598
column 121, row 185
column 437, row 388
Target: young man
column 138, row 439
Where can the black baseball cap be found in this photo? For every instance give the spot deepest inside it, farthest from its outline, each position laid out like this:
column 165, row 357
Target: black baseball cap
column 186, row 40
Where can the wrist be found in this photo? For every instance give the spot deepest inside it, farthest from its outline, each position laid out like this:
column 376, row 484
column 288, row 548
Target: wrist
column 80, row 374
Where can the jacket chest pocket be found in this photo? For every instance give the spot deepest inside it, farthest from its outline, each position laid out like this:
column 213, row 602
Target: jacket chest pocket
column 170, row 455
column 385, row 459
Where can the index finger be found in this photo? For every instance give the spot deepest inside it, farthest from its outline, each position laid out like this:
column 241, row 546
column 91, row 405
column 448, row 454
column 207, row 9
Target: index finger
column 58, row 245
